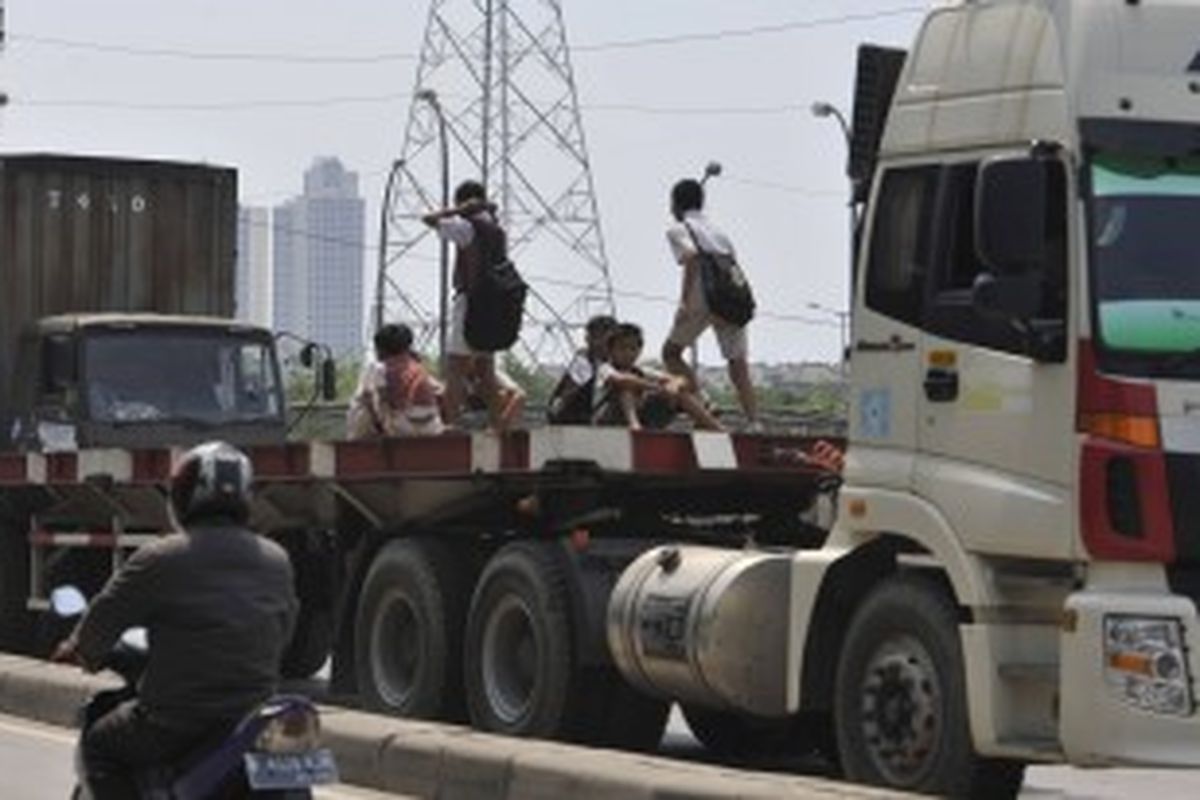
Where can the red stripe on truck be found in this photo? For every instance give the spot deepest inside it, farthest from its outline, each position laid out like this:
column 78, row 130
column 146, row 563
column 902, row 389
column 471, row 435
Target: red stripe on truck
column 150, row 466
column 450, row 453
column 1156, row 535
column 514, row 452
column 280, row 461
column 659, row 452
column 12, row 469
column 62, row 468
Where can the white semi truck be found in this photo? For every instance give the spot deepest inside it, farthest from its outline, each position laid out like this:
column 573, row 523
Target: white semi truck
column 1014, row 571
column 1010, row 570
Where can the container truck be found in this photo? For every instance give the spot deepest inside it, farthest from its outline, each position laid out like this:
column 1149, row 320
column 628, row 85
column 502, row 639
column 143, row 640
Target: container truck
column 117, row 273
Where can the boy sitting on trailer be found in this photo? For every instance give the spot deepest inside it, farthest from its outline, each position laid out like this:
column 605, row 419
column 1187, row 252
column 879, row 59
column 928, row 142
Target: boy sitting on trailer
column 396, row 395
column 637, row 397
column 571, row 401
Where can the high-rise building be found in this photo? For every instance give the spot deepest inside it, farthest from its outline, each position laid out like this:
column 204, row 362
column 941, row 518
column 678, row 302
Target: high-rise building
column 318, row 242
column 254, row 266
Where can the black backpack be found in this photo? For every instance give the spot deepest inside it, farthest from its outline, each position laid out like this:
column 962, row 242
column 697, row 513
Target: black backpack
column 571, row 402
column 496, row 294
column 726, row 290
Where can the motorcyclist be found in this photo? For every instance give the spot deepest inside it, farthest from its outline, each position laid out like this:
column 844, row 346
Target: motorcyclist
column 218, row 604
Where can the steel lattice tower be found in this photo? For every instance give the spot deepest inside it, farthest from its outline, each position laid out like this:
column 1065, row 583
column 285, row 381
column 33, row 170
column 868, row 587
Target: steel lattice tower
column 501, row 74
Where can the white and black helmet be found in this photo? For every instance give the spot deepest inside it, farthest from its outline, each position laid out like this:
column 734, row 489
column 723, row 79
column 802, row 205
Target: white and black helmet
column 212, row 480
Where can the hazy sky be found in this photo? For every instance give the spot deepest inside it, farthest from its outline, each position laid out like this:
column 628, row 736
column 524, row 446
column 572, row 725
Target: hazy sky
column 782, row 200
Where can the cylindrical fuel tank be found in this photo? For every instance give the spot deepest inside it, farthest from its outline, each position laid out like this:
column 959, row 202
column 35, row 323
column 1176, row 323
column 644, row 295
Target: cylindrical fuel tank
column 705, row 626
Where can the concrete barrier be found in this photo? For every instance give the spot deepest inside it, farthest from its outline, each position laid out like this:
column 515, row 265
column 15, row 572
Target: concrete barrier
column 446, row 762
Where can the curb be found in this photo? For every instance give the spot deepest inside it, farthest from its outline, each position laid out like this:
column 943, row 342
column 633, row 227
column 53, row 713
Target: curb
column 446, row 762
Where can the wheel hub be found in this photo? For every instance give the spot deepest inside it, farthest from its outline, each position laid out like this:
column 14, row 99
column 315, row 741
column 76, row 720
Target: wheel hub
column 901, row 702
column 510, row 658
column 396, row 645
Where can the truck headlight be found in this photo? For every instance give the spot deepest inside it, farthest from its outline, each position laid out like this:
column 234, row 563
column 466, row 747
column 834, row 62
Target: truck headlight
column 1145, row 664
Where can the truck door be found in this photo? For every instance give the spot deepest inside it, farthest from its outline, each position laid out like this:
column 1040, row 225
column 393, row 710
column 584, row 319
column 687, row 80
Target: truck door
column 886, row 334
column 995, row 423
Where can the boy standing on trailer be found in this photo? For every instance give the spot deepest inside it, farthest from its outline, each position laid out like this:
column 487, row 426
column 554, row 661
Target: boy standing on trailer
column 460, row 224
column 691, row 233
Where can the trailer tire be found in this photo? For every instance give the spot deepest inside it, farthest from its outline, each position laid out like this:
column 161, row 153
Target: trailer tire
column 16, row 622
column 408, row 632
column 519, row 664
column 901, row 701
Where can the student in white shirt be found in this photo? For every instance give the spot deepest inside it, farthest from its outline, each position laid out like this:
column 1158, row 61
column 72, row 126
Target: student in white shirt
column 692, row 232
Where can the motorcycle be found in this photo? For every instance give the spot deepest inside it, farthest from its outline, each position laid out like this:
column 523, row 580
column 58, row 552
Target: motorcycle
column 274, row 752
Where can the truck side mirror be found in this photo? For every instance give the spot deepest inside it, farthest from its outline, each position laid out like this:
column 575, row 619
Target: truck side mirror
column 329, row 376
column 308, row 355
column 1010, row 213
column 59, row 365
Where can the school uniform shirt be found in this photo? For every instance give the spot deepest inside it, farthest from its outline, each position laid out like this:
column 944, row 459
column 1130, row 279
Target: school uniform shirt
column 712, row 239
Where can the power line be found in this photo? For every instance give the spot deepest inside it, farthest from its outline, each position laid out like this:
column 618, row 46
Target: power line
column 116, row 48
column 319, row 102
column 758, row 30
column 241, row 105
column 533, row 278
column 198, row 55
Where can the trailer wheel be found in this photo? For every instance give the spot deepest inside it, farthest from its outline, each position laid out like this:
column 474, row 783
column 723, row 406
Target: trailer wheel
column 16, row 623
column 408, row 650
column 519, row 662
column 901, row 701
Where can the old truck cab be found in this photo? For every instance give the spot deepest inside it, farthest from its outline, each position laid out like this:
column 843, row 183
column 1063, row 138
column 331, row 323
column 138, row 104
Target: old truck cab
column 143, row 380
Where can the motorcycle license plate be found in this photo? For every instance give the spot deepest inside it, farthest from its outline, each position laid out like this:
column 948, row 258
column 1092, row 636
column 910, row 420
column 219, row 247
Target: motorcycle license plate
column 290, row 770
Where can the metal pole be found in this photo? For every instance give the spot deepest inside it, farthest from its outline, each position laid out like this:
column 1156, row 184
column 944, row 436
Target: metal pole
column 444, row 296
column 487, row 100
column 381, row 276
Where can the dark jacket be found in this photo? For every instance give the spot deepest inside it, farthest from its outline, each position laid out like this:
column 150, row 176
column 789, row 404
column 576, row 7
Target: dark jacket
column 219, row 606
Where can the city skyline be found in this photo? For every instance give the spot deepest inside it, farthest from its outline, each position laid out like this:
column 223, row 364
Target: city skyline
column 318, row 240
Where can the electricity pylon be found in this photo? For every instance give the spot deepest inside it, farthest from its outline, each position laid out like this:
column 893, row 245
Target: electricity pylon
column 495, row 90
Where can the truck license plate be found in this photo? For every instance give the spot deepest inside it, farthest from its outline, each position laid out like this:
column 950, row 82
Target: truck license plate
column 290, row 770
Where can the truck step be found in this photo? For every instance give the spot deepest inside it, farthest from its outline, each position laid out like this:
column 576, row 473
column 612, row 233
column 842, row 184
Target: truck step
column 1034, row 748
column 1029, row 672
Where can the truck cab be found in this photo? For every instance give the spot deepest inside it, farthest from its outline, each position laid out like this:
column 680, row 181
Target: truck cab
column 144, row 380
column 1025, row 377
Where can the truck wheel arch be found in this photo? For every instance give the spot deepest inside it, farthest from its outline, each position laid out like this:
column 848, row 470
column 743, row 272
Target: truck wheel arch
column 860, row 556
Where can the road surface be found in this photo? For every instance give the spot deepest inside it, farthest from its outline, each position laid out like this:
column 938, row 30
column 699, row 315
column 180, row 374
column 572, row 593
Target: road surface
column 1041, row 783
column 36, row 761
column 37, row 764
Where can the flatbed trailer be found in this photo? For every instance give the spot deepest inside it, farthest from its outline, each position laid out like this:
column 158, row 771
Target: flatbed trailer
column 465, row 577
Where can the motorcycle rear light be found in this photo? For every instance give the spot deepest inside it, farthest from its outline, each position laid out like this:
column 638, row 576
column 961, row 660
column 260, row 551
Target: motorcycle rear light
column 1145, row 664
column 297, row 730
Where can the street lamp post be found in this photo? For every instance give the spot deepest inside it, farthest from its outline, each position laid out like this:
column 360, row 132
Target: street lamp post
column 430, row 96
column 381, row 276
column 843, row 318
column 824, row 110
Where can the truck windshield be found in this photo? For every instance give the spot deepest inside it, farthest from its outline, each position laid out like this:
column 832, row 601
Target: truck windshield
column 1145, row 233
column 142, row 375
